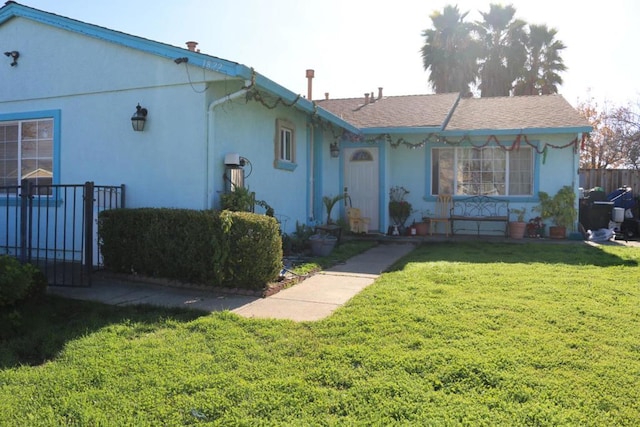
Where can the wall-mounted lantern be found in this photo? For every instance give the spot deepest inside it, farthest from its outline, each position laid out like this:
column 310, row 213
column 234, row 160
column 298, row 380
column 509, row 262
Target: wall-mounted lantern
column 334, row 150
column 14, row 55
column 139, row 118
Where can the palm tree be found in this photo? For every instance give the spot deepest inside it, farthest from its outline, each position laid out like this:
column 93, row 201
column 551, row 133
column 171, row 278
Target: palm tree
column 540, row 75
column 450, row 52
column 504, row 55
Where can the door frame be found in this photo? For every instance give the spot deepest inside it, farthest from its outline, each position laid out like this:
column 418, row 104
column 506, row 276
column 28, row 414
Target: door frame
column 382, row 197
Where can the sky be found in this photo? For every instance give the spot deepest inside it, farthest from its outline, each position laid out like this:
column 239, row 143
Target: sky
column 357, row 46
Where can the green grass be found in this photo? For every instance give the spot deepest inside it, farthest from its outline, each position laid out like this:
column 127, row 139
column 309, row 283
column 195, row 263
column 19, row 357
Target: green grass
column 458, row 334
column 340, row 254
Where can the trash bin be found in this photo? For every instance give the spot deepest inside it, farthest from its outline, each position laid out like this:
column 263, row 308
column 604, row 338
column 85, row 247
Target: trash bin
column 597, row 215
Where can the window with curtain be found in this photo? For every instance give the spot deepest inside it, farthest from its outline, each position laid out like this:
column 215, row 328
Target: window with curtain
column 26, row 152
column 490, row 171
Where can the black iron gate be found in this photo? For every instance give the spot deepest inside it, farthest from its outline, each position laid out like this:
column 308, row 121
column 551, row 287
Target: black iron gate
column 55, row 227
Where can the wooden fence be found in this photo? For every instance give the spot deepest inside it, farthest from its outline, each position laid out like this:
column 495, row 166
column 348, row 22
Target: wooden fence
column 610, row 179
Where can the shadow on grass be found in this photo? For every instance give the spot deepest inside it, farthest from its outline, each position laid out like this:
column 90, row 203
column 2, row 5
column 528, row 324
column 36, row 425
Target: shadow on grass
column 536, row 252
column 36, row 331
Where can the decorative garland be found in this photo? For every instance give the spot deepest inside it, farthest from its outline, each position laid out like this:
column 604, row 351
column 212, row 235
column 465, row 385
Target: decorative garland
column 254, row 94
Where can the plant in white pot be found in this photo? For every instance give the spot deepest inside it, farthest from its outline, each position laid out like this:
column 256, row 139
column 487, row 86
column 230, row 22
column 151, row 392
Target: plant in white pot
column 517, row 227
column 560, row 209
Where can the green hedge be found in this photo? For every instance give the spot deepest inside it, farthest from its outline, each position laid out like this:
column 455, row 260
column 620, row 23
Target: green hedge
column 19, row 282
column 227, row 249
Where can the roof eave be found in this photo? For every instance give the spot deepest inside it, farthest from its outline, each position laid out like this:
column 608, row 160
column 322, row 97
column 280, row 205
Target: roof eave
column 401, row 130
column 301, row 103
column 12, row 10
column 522, row 131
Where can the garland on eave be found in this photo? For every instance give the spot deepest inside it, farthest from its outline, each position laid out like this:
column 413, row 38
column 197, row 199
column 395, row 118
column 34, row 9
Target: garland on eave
column 253, row 94
column 433, row 137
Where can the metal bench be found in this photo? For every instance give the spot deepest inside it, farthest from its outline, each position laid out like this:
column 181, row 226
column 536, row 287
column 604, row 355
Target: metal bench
column 477, row 210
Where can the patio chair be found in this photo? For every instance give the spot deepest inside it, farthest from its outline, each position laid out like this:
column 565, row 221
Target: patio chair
column 357, row 223
column 443, row 211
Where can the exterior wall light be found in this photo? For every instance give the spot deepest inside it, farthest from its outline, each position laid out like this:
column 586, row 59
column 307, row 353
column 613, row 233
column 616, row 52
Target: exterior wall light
column 334, row 149
column 14, row 55
column 139, row 118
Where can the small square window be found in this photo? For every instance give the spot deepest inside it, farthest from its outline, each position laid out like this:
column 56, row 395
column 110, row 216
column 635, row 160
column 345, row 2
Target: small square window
column 285, row 145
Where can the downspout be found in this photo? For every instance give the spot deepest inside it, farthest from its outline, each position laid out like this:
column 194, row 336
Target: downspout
column 210, row 140
column 311, row 184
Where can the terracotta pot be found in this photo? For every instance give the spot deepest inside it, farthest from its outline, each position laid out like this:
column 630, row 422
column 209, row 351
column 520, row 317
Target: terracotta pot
column 557, row 232
column 422, row 228
column 516, row 229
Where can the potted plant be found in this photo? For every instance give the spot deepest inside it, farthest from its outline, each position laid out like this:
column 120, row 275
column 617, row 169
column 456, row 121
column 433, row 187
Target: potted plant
column 329, row 203
column 517, row 227
column 560, row 209
column 422, row 228
column 535, row 227
column 399, row 208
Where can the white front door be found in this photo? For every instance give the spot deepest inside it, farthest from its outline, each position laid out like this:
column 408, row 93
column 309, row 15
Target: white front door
column 361, row 178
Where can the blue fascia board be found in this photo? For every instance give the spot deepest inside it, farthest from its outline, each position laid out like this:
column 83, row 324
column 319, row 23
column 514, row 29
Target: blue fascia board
column 209, row 62
column 402, row 130
column 301, row 103
column 525, row 131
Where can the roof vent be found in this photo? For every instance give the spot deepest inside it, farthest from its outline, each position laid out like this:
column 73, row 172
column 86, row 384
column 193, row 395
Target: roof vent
column 192, row 46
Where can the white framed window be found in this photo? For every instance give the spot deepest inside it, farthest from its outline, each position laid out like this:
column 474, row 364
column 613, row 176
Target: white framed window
column 490, row 171
column 26, row 151
column 285, row 145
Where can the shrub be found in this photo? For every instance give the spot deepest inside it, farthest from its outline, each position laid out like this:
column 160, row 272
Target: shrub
column 204, row 247
column 298, row 241
column 255, row 250
column 19, row 282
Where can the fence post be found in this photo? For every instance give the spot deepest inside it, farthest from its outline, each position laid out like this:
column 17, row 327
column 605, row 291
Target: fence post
column 25, row 218
column 122, row 196
column 88, row 229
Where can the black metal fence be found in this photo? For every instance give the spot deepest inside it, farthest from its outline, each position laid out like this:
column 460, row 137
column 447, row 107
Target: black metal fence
column 56, row 227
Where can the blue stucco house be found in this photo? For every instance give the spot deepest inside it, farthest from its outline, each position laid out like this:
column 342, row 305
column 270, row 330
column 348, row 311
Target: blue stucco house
column 66, row 118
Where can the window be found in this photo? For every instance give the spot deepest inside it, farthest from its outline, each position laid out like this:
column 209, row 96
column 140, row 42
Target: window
column 488, row 171
column 26, row 151
column 285, row 145
column 361, row 156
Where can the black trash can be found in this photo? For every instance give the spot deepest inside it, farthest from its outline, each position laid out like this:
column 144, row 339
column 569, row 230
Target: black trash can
column 597, row 215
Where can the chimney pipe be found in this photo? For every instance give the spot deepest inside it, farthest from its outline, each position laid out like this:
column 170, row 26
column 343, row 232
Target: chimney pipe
column 192, row 46
column 379, row 93
column 310, row 75
column 326, row 95
column 372, row 98
column 366, row 98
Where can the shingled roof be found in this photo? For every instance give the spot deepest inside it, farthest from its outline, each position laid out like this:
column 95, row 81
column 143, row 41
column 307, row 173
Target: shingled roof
column 445, row 111
column 514, row 112
column 393, row 111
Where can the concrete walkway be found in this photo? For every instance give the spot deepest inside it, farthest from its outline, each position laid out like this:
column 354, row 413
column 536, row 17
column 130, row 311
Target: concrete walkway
column 313, row 299
column 319, row 295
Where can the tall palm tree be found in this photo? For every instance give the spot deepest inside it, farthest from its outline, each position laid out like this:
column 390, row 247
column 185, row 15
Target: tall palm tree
column 540, row 75
column 450, row 52
column 504, row 54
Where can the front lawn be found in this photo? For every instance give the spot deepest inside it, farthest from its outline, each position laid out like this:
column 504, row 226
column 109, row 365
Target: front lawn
column 459, row 334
